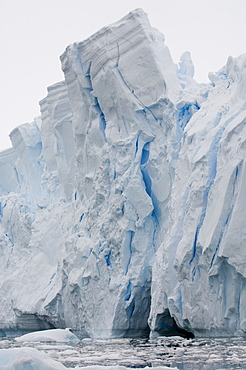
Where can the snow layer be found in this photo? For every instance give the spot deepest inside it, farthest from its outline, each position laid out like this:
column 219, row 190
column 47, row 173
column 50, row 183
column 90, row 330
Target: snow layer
column 122, row 207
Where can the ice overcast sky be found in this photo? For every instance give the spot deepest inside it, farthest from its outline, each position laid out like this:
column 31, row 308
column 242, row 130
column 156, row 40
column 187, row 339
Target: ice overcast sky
column 34, row 33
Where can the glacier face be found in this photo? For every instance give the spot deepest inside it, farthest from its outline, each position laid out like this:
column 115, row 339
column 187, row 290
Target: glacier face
column 122, row 206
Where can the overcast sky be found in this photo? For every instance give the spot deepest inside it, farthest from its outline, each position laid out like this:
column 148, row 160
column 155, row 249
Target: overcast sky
column 34, row 33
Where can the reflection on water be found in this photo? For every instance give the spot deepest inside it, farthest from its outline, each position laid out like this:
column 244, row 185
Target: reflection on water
column 185, row 354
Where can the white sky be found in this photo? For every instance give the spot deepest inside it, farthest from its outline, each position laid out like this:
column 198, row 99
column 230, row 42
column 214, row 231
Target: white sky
column 34, row 33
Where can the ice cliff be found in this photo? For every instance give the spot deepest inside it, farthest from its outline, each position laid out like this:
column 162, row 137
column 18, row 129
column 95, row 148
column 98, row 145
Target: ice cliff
column 123, row 207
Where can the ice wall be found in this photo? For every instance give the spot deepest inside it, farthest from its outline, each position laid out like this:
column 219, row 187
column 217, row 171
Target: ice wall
column 122, row 206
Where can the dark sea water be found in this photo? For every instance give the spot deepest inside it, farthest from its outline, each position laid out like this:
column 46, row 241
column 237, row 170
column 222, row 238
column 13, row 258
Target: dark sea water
column 185, row 354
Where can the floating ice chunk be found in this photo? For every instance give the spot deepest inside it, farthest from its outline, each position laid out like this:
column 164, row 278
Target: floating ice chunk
column 27, row 358
column 53, row 335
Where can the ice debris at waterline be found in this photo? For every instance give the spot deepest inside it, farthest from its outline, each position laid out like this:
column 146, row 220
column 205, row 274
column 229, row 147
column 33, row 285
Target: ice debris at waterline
column 123, row 207
column 25, row 358
column 124, row 353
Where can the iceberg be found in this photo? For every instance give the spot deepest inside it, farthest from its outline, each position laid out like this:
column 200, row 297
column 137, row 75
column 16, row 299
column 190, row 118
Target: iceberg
column 122, row 206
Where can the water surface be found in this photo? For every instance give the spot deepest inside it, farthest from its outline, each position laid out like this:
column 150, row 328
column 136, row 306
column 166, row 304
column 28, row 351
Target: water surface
column 185, row 354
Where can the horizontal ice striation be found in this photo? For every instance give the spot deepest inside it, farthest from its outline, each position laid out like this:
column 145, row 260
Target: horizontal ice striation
column 122, row 207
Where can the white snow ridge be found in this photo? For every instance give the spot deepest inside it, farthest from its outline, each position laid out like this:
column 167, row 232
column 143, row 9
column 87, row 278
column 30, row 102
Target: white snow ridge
column 123, row 207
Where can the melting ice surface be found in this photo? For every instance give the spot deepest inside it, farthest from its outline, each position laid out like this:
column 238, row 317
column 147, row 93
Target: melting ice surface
column 123, row 207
